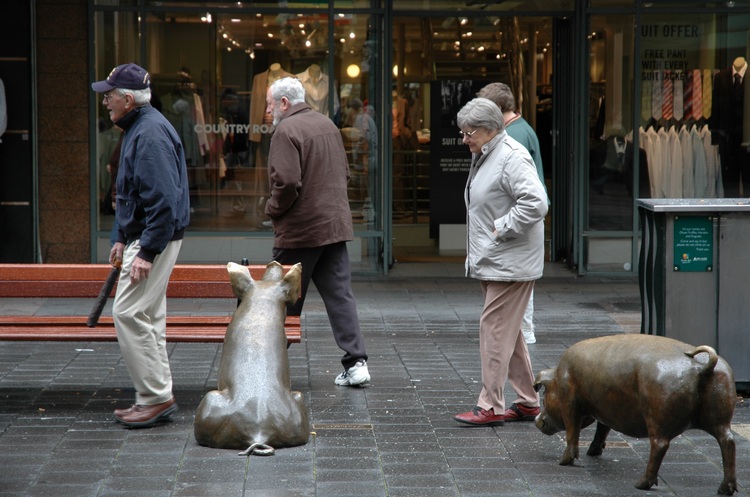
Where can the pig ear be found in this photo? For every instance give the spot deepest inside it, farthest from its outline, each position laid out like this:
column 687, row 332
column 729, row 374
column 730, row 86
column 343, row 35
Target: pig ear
column 239, row 277
column 274, row 271
column 543, row 378
column 293, row 280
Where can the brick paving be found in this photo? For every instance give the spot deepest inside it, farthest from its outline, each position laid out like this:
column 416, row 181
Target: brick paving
column 394, row 438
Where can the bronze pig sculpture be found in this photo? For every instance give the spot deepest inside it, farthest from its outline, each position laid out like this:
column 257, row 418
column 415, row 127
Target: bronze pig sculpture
column 253, row 407
column 642, row 386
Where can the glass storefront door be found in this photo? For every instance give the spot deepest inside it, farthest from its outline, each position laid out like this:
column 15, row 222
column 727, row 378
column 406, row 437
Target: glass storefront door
column 610, row 183
column 438, row 64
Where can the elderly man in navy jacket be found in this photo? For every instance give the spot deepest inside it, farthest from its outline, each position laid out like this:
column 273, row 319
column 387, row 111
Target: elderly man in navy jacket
column 152, row 212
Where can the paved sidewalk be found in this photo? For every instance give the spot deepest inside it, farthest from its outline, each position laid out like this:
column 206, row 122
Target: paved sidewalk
column 395, row 438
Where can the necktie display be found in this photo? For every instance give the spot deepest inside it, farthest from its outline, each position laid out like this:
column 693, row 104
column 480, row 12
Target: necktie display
column 737, row 90
column 707, row 87
column 646, row 100
column 656, row 98
column 677, row 92
column 697, row 94
column 687, row 95
column 667, row 98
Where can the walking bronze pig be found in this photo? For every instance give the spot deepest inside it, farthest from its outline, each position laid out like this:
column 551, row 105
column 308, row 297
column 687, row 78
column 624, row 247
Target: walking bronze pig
column 254, row 408
column 642, row 386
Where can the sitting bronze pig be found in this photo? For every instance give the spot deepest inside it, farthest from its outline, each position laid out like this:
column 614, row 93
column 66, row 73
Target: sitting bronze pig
column 642, row 386
column 254, row 408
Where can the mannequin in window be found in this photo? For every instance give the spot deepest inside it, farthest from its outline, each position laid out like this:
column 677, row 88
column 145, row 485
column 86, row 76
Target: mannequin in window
column 260, row 128
column 179, row 110
column 183, row 108
column 400, row 132
column 611, row 161
column 258, row 117
column 725, row 123
column 401, row 135
column 235, row 145
column 364, row 150
column 316, row 84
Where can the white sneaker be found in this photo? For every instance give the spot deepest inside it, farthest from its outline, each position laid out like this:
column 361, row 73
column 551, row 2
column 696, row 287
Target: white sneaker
column 355, row 375
column 529, row 337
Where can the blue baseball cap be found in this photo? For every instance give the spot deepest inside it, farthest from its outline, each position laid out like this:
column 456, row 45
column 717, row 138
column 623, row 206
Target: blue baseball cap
column 128, row 76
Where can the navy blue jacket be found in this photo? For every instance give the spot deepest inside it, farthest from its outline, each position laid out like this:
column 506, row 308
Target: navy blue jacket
column 153, row 198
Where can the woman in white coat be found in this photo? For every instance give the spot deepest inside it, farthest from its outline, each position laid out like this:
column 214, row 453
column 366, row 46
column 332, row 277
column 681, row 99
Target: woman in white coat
column 505, row 208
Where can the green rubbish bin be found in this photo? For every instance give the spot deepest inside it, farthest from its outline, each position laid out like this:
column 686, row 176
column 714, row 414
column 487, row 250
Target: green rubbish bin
column 694, row 275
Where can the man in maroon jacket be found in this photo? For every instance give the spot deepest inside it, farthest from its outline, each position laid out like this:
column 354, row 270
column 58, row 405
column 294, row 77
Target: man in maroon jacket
column 308, row 175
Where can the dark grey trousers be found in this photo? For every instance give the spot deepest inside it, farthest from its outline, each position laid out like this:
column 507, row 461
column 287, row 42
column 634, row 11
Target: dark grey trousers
column 328, row 267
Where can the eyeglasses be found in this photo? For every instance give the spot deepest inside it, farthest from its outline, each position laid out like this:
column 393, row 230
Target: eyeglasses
column 108, row 97
column 467, row 133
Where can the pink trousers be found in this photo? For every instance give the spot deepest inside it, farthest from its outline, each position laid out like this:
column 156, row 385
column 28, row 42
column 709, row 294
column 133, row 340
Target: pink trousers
column 502, row 349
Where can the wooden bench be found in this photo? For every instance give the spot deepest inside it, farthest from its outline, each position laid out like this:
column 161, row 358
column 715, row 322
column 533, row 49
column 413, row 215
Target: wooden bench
column 86, row 280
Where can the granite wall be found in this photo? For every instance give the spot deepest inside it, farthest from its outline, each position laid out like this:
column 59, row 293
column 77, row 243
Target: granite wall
column 63, row 93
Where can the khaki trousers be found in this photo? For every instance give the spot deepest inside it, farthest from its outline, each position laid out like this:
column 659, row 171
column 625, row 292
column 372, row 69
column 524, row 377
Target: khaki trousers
column 502, row 349
column 140, row 315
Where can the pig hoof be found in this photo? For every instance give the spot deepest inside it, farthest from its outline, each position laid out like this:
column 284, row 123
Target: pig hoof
column 569, row 456
column 644, row 484
column 567, row 461
column 727, row 488
column 595, row 450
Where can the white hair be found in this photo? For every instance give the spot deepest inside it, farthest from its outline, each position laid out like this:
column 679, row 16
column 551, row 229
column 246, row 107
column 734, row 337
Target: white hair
column 141, row 97
column 288, row 87
column 481, row 113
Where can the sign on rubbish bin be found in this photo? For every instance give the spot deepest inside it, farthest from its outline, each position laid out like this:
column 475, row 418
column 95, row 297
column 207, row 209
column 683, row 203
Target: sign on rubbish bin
column 693, row 243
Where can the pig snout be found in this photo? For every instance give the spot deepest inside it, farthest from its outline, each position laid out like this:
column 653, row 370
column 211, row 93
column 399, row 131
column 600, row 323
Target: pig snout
column 549, row 419
column 545, row 424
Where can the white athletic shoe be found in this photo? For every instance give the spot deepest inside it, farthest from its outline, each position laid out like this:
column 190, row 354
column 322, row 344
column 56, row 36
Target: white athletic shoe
column 355, row 375
column 529, row 337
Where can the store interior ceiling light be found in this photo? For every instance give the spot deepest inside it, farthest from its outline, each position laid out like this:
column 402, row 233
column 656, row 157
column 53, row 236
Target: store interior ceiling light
column 352, row 70
column 454, row 47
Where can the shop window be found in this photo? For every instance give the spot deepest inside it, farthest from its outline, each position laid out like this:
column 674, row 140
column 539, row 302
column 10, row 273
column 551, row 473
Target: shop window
column 694, row 127
column 685, row 135
column 439, row 63
column 210, row 73
column 116, row 35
